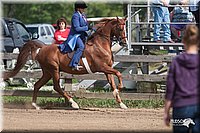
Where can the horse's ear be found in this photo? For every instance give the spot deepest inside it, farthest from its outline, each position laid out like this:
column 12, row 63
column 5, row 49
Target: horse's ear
column 117, row 18
column 125, row 17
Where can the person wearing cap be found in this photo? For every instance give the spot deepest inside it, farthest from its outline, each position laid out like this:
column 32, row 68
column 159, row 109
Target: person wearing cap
column 77, row 35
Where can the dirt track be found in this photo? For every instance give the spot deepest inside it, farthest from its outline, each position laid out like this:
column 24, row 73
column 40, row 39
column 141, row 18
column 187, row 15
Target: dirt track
column 83, row 120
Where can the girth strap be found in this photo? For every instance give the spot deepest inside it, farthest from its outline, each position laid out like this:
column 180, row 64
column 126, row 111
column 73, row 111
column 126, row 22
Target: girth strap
column 86, row 65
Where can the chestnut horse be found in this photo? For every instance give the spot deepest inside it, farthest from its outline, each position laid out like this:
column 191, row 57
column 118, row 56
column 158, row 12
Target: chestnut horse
column 97, row 52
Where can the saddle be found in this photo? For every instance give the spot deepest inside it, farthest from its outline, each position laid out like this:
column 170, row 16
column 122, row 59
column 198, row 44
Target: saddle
column 83, row 58
column 71, row 54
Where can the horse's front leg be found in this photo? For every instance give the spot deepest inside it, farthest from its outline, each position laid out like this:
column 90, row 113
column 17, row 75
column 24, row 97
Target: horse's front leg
column 120, row 85
column 110, row 79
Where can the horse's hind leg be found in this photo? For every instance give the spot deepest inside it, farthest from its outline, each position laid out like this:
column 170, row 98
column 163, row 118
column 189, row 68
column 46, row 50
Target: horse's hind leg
column 56, row 77
column 43, row 80
column 115, row 90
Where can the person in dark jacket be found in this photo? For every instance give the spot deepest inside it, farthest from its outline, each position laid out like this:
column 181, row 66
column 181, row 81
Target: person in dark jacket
column 77, row 35
column 182, row 86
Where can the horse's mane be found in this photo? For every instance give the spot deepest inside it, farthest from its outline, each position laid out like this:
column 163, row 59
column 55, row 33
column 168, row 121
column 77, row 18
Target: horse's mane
column 104, row 22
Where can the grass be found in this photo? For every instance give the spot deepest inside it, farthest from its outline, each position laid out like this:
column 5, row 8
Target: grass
column 99, row 103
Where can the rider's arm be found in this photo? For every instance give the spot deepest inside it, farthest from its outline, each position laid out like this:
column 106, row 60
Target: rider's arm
column 76, row 24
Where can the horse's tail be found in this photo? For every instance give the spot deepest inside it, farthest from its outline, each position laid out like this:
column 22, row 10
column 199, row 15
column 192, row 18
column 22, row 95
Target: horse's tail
column 30, row 48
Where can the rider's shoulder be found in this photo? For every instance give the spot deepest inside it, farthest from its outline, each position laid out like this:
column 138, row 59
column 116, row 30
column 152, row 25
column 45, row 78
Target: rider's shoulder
column 75, row 14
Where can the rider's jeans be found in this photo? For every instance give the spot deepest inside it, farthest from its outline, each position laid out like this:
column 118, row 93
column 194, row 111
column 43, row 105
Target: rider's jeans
column 183, row 113
column 161, row 14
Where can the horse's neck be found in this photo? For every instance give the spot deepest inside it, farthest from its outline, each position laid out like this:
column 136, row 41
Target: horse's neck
column 101, row 41
column 107, row 29
column 102, row 38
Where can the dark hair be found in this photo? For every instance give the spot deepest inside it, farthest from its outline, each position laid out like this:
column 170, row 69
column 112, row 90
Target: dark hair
column 191, row 35
column 80, row 4
column 61, row 20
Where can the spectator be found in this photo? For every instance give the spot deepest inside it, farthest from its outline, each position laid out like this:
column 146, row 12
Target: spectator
column 180, row 14
column 182, row 86
column 161, row 15
column 194, row 8
column 62, row 31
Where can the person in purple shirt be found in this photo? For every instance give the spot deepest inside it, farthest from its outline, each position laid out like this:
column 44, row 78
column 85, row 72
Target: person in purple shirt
column 182, row 93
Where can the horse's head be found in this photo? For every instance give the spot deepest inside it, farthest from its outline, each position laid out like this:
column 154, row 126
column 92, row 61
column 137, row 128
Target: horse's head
column 109, row 28
column 119, row 31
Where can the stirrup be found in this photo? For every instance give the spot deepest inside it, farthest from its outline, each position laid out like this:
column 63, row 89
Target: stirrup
column 77, row 68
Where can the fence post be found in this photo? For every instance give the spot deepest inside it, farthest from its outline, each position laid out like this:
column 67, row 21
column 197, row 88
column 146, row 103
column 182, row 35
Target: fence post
column 67, row 88
column 67, row 84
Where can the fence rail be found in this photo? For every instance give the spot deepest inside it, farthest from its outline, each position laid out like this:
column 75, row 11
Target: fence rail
column 135, row 77
column 118, row 58
column 100, row 76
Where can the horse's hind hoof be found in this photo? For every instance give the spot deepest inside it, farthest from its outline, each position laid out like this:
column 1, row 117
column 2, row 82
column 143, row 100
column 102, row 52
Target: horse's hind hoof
column 123, row 106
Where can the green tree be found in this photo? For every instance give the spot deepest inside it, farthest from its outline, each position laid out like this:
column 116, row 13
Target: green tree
column 50, row 12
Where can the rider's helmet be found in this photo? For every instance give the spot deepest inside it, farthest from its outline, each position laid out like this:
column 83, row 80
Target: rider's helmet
column 80, row 4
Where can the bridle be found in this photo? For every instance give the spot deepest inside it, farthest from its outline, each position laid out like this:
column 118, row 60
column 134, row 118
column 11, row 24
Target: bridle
column 118, row 28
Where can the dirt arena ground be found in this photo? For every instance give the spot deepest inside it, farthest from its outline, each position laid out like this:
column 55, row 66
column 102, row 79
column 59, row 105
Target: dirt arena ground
column 83, row 120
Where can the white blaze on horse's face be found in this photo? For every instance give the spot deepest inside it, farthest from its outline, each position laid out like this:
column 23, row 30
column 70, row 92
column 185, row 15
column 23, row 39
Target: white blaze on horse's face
column 122, row 32
column 125, row 33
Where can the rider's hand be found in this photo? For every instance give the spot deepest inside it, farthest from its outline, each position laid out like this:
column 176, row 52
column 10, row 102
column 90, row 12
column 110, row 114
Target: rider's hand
column 88, row 33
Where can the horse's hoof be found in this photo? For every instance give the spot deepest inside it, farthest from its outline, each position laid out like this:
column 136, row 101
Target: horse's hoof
column 38, row 108
column 73, row 104
column 123, row 106
column 35, row 106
